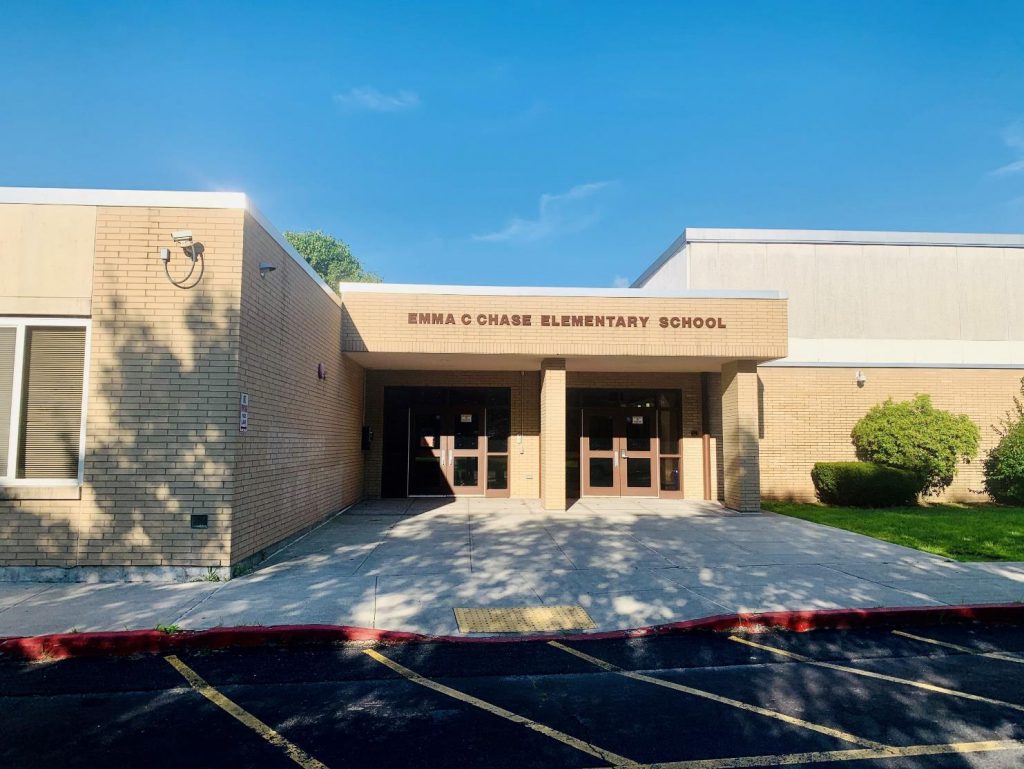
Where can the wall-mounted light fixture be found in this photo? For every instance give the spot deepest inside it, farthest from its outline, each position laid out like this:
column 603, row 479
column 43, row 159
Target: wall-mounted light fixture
column 861, row 379
column 266, row 267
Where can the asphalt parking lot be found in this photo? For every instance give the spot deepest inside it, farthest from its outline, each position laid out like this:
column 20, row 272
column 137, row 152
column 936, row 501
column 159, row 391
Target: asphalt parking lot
column 927, row 697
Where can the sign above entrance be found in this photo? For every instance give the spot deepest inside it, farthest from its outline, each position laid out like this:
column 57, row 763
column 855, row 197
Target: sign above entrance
column 572, row 321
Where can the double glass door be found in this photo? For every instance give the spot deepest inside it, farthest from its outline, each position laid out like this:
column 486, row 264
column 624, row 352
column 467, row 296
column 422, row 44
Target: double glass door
column 618, row 452
column 447, row 451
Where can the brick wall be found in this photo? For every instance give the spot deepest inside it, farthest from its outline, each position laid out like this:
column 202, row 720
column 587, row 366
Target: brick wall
column 808, row 413
column 300, row 458
column 754, row 328
column 742, row 484
column 161, row 405
column 552, row 433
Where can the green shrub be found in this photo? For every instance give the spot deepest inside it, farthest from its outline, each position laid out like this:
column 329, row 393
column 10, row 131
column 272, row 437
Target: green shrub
column 864, row 484
column 915, row 436
column 1004, row 466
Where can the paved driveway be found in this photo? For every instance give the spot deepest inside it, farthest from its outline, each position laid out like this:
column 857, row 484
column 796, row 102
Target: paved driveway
column 405, row 564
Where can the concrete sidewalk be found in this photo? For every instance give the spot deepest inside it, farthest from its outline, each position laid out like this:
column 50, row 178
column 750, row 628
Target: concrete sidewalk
column 405, row 564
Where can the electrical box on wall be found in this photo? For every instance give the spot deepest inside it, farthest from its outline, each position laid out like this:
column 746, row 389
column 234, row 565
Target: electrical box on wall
column 367, row 437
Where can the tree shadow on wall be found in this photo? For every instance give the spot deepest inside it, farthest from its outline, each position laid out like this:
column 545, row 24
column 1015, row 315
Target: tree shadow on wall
column 158, row 445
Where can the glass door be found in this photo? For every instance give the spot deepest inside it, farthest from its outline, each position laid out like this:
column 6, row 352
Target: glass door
column 467, row 452
column 638, row 453
column 618, row 452
column 599, row 453
column 427, row 446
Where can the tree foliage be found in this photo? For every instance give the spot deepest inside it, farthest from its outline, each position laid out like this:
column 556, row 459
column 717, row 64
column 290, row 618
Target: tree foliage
column 1004, row 465
column 916, row 436
column 331, row 257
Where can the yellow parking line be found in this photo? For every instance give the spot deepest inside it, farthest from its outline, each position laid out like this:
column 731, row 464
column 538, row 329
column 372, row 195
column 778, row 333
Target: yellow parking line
column 879, row 676
column 836, row 733
column 966, row 649
column 547, row 731
column 295, row 753
column 834, row 756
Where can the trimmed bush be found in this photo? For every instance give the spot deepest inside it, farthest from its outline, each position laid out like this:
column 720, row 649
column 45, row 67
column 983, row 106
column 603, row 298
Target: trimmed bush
column 916, row 436
column 1004, row 466
column 864, row 484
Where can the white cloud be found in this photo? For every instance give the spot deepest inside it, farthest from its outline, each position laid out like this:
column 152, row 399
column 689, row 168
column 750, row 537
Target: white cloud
column 1013, row 137
column 620, row 282
column 370, row 99
column 570, row 211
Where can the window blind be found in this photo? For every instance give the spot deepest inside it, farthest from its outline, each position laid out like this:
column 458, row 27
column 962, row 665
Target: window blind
column 8, row 336
column 51, row 413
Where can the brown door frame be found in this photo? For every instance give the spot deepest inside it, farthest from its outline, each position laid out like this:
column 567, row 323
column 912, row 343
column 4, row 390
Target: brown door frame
column 455, row 414
column 446, row 453
column 619, row 452
column 425, row 453
column 586, row 453
column 650, row 421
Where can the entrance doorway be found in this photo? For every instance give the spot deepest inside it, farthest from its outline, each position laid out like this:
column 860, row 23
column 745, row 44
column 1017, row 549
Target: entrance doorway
column 445, row 441
column 618, row 452
column 447, row 451
column 624, row 442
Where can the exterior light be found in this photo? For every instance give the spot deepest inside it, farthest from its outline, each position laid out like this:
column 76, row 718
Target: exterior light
column 266, row 267
column 861, row 378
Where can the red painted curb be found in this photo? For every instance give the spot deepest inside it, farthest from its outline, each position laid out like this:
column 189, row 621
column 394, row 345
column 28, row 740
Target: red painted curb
column 118, row 644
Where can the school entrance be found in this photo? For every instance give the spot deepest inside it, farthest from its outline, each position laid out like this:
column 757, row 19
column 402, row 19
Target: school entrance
column 624, row 443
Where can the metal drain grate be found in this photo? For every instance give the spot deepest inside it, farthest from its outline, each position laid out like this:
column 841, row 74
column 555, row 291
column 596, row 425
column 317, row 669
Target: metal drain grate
column 523, row 619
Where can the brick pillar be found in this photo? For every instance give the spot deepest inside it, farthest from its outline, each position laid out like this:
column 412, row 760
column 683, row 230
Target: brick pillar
column 552, row 433
column 740, row 436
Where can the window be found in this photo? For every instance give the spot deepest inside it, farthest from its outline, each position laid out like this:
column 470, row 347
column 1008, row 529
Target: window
column 42, row 399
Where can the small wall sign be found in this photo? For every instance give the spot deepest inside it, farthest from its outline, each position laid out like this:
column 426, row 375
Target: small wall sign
column 243, row 412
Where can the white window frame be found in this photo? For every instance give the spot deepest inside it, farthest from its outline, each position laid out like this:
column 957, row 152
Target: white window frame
column 20, row 324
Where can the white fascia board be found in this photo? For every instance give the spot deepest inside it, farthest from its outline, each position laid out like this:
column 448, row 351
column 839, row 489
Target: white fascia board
column 142, row 198
column 677, row 245
column 272, row 231
column 902, row 353
column 621, row 293
column 159, row 199
column 854, row 237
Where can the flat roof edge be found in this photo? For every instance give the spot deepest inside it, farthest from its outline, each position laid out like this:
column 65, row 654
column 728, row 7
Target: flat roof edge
column 853, row 237
column 621, row 293
column 160, row 199
column 144, row 198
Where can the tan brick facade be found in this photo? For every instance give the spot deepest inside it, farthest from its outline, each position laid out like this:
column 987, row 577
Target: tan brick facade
column 379, row 322
column 807, row 415
column 162, row 426
column 552, row 433
column 162, row 406
column 300, row 457
column 742, row 490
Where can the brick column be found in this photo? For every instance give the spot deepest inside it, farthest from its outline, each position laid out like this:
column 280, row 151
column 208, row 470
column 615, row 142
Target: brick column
column 740, row 436
column 552, row 433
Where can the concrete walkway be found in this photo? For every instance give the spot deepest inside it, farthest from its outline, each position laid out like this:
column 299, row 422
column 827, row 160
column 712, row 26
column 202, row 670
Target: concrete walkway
column 405, row 564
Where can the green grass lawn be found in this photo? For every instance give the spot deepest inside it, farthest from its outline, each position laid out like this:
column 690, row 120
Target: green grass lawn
column 961, row 532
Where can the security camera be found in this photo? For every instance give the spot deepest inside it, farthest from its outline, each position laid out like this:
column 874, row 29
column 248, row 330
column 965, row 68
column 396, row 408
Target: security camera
column 182, row 236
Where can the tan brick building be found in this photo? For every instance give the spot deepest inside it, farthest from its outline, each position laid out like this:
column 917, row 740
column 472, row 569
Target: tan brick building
column 179, row 392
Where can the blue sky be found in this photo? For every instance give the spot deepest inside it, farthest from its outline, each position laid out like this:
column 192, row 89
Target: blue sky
column 524, row 143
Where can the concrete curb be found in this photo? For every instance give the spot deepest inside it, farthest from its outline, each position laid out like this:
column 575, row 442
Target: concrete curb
column 119, row 644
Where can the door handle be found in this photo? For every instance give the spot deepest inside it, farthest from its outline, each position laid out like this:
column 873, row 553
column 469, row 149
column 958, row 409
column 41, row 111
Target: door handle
column 615, row 458
column 451, row 456
column 442, row 458
column 624, row 454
